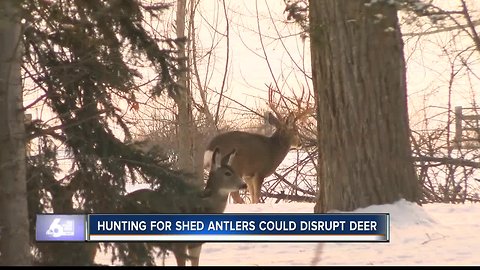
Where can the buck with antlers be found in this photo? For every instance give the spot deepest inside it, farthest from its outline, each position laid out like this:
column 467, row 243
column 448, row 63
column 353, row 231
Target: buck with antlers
column 258, row 156
column 212, row 200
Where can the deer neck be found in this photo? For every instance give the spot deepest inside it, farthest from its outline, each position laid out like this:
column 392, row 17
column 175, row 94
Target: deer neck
column 214, row 202
column 280, row 145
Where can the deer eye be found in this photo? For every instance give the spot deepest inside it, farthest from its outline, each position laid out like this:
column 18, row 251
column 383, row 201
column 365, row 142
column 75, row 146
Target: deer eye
column 227, row 173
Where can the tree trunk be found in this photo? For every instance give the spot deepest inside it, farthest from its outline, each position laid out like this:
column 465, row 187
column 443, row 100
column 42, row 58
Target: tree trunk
column 185, row 125
column 14, row 225
column 359, row 77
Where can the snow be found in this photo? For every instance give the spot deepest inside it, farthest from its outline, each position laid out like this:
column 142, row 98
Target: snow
column 432, row 234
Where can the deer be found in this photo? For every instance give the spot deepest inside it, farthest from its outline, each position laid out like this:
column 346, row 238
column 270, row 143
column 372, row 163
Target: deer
column 222, row 180
column 258, row 156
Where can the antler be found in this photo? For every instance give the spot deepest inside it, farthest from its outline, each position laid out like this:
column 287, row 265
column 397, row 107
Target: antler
column 271, row 101
column 296, row 105
column 303, row 107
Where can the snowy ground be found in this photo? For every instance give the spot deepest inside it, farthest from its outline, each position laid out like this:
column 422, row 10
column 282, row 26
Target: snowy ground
column 435, row 234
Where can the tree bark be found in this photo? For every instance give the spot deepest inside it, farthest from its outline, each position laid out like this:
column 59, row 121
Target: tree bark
column 14, row 225
column 359, row 77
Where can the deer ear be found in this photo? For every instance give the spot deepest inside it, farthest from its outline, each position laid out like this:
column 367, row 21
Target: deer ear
column 272, row 120
column 291, row 119
column 228, row 159
column 216, row 160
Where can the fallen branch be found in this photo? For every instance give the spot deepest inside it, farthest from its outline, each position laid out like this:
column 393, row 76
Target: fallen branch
column 449, row 161
column 283, row 196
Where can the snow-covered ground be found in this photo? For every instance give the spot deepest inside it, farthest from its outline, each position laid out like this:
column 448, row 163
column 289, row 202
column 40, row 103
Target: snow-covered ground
column 434, row 234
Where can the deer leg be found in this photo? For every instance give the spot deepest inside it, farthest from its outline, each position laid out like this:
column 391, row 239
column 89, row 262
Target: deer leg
column 255, row 192
column 194, row 254
column 236, row 197
column 180, row 252
column 251, row 187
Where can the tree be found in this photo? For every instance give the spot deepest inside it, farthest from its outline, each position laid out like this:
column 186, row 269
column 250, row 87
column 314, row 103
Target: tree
column 359, row 78
column 84, row 61
column 185, row 124
column 14, row 237
column 194, row 114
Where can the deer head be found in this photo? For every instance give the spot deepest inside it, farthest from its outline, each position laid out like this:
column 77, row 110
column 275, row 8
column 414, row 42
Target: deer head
column 222, row 179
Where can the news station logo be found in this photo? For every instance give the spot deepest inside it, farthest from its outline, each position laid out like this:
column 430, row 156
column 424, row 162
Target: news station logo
column 60, row 227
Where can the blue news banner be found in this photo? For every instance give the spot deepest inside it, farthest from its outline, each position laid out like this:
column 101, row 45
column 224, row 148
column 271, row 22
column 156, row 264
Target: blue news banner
column 215, row 227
